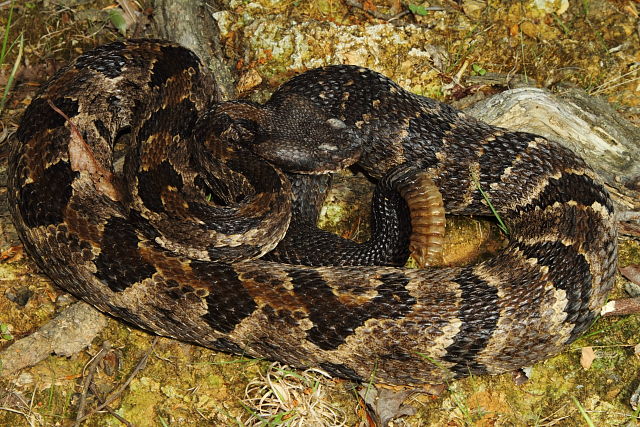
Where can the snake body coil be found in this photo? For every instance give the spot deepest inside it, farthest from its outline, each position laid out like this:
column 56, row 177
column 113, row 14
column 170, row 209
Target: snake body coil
column 128, row 196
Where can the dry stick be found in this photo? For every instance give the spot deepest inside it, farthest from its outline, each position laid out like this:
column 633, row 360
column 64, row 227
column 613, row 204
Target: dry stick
column 13, row 411
column 621, row 307
column 96, row 393
column 628, row 216
column 91, row 370
column 114, row 395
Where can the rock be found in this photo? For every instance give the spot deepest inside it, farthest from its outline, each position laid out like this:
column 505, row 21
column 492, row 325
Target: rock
column 67, row 334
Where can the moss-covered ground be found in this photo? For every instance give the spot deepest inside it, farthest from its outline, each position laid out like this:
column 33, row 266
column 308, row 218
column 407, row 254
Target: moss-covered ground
column 592, row 44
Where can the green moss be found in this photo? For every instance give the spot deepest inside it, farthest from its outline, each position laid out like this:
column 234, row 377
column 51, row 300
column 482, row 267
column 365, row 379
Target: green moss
column 629, row 252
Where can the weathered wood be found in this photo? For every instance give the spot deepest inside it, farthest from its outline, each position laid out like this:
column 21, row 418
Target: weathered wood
column 586, row 124
column 191, row 23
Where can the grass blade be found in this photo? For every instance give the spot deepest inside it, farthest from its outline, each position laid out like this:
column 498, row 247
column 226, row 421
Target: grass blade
column 5, row 40
column 584, row 414
column 14, row 71
column 495, row 213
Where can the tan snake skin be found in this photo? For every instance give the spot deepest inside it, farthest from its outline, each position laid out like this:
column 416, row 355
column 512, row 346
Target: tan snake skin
column 126, row 198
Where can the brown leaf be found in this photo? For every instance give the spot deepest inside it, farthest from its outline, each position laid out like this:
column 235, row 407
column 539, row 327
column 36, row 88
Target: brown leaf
column 514, row 30
column 386, row 404
column 587, row 357
column 13, row 253
column 82, row 159
column 368, row 6
column 248, row 81
column 520, row 377
column 631, row 273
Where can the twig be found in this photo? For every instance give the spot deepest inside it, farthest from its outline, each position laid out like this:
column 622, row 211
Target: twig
column 628, row 216
column 621, row 307
column 609, row 84
column 398, row 15
column 374, row 13
column 96, row 393
column 15, row 411
column 92, row 367
column 26, row 408
column 114, row 395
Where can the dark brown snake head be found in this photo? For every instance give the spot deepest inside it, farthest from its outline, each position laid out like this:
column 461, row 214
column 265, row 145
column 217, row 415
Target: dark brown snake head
column 300, row 140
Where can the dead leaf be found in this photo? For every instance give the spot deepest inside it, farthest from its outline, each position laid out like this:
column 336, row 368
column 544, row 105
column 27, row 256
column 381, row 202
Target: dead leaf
column 587, row 357
column 520, row 377
column 368, row 6
column 386, row 404
column 248, row 81
column 631, row 273
column 514, row 30
column 14, row 253
column 636, row 350
column 631, row 10
column 82, row 159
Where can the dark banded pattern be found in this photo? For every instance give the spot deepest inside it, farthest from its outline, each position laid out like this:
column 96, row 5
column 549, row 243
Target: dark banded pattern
column 172, row 241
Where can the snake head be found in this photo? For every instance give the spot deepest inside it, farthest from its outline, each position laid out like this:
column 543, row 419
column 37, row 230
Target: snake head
column 299, row 137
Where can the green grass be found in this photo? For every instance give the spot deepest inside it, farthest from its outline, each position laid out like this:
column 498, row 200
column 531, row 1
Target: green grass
column 6, row 48
column 495, row 213
column 583, row 412
column 5, row 334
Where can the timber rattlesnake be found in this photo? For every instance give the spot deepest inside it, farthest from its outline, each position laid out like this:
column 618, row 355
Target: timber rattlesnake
column 115, row 243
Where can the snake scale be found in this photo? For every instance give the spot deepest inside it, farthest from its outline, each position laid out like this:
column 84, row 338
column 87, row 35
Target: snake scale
column 134, row 188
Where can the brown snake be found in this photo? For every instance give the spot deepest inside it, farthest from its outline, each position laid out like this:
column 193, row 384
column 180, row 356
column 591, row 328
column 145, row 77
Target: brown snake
column 133, row 196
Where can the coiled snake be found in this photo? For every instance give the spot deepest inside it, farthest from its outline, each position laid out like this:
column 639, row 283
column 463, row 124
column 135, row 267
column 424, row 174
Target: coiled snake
column 135, row 190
